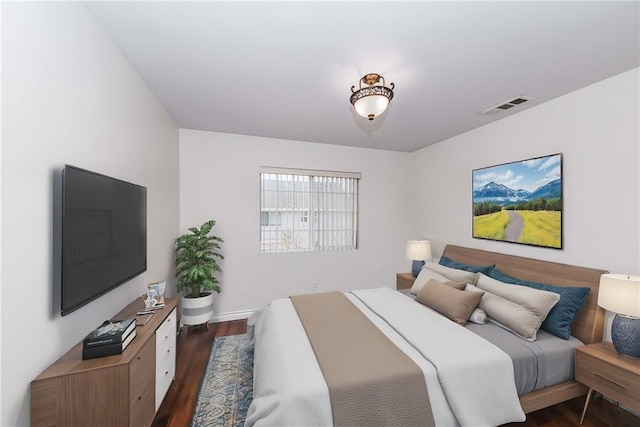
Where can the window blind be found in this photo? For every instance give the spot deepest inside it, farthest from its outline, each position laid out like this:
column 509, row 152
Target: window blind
column 308, row 210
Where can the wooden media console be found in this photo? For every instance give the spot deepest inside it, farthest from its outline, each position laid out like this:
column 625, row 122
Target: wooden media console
column 121, row 390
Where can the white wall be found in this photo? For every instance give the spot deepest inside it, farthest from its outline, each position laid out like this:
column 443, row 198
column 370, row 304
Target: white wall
column 597, row 131
column 69, row 97
column 595, row 128
column 219, row 179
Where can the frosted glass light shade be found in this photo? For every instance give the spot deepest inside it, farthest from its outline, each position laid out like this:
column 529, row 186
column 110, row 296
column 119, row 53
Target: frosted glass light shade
column 371, row 106
column 373, row 99
column 620, row 293
column 419, row 250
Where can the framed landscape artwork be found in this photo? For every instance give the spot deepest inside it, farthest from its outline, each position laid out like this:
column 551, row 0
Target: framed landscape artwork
column 520, row 202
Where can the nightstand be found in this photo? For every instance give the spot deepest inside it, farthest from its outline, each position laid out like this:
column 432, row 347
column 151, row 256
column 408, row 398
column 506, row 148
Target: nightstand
column 404, row 280
column 601, row 368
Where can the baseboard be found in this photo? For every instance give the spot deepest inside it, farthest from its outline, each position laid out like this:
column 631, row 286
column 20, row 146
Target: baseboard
column 234, row 315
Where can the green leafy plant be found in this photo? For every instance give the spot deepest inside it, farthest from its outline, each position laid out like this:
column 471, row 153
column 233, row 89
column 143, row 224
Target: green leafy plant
column 196, row 263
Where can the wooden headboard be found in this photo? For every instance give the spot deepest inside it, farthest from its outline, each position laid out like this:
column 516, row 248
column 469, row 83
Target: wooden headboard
column 589, row 324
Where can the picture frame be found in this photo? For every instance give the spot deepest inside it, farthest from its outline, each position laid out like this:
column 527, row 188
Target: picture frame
column 519, row 202
column 154, row 298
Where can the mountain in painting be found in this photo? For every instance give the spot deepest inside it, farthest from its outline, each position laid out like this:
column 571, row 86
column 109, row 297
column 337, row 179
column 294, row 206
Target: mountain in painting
column 503, row 195
column 499, row 193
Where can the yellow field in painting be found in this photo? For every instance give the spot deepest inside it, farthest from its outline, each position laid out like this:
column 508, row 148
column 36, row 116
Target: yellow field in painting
column 490, row 226
column 541, row 228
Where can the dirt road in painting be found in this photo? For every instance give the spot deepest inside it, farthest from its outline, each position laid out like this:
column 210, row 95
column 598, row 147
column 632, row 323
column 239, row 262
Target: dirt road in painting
column 514, row 228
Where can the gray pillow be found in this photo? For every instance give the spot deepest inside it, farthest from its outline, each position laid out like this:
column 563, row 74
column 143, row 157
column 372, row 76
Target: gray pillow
column 452, row 273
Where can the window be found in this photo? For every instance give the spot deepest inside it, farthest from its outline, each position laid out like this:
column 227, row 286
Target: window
column 268, row 218
column 304, row 210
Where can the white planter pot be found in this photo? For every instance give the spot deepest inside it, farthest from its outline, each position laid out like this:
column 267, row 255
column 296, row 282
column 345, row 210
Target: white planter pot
column 196, row 311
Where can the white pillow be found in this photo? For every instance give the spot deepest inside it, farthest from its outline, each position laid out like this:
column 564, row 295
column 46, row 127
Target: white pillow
column 478, row 316
column 514, row 307
column 423, row 277
column 538, row 301
column 452, row 273
column 508, row 315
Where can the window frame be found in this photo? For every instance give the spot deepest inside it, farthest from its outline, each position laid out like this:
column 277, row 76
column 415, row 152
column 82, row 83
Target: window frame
column 345, row 210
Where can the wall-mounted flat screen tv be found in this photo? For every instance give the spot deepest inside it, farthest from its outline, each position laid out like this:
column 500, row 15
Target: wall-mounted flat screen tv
column 103, row 236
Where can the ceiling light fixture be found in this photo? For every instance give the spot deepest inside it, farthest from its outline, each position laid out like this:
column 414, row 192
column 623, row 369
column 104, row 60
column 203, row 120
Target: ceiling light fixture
column 372, row 100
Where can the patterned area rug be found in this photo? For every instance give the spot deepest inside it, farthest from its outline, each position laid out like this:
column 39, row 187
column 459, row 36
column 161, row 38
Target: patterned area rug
column 227, row 387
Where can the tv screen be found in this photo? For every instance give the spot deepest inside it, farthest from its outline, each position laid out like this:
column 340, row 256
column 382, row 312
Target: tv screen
column 104, row 235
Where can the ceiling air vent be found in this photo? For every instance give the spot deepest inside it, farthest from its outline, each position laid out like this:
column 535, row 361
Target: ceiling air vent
column 506, row 105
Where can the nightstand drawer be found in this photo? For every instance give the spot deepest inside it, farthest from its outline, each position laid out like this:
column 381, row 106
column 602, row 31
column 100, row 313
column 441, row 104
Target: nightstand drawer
column 612, row 381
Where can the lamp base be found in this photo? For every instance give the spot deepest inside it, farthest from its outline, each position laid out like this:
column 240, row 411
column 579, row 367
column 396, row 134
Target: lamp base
column 625, row 334
column 416, row 266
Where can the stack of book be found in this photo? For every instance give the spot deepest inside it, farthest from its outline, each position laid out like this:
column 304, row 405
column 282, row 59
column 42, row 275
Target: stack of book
column 110, row 338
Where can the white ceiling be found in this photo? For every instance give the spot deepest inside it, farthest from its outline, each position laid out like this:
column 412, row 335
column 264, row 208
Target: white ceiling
column 285, row 69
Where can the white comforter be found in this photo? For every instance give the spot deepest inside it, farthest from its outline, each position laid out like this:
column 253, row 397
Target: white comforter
column 469, row 380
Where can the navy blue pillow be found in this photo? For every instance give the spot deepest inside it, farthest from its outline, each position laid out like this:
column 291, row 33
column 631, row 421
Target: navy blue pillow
column 484, row 269
column 562, row 315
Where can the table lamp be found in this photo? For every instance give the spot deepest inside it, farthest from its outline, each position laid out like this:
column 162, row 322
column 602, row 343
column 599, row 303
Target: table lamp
column 620, row 294
column 418, row 251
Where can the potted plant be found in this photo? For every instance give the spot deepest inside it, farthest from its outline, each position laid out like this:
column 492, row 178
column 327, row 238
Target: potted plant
column 196, row 263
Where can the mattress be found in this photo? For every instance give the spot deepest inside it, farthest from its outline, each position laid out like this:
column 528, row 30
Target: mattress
column 547, row 361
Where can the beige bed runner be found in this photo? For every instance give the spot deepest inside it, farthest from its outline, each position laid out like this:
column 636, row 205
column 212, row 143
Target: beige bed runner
column 371, row 381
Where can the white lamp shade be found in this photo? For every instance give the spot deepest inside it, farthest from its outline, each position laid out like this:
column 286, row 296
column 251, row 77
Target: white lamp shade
column 371, row 105
column 620, row 293
column 419, row 250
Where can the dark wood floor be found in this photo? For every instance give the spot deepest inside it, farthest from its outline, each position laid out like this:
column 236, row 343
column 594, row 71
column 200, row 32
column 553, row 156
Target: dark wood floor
column 192, row 354
column 194, row 348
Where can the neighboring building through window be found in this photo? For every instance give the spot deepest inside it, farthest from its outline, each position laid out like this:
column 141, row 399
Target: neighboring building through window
column 306, row 210
column 268, row 218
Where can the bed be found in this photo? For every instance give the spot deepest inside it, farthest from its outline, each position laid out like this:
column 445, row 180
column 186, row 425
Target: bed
column 588, row 326
column 290, row 389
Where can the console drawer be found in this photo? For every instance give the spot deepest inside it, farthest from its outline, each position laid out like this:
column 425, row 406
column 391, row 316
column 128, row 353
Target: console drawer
column 165, row 357
column 166, row 333
column 142, row 386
